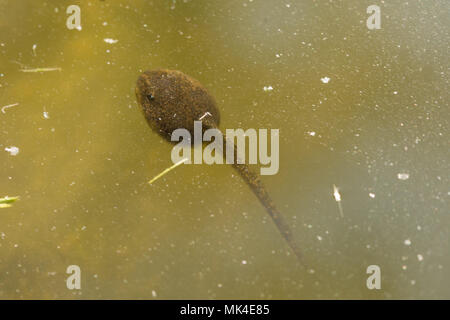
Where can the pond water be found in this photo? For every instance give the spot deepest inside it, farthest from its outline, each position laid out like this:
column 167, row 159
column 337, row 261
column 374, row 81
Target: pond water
column 363, row 110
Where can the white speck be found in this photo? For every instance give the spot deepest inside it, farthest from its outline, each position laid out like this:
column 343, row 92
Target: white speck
column 403, row 176
column 407, row 242
column 419, row 257
column 413, row 282
column 105, row 23
column 311, row 133
column 79, row 28
column 244, row 261
column 372, row 195
column 154, row 294
column 110, row 41
column 319, row 238
column 278, row 55
column 404, row 267
column 219, row 285
column 325, row 79
column 267, row 88
column 9, row 105
column 12, row 150
column 83, row 228
column 395, row 92
column 45, row 115
column 206, row 114
column 34, row 49
column 336, row 194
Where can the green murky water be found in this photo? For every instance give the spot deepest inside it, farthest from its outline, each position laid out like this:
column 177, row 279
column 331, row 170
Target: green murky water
column 378, row 130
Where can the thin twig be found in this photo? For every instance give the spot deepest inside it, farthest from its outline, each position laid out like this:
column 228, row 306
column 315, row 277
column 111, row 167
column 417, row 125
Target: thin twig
column 167, row 170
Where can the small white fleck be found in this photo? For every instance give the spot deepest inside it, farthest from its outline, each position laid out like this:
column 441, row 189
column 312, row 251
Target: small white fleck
column 372, row 195
column 319, row 238
column 45, row 115
column 325, row 79
column 110, row 41
column 244, row 261
column 403, row 176
column 395, row 92
column 267, row 88
column 311, row 133
column 12, row 150
column 407, row 242
column 336, row 194
column 154, row 294
column 419, row 257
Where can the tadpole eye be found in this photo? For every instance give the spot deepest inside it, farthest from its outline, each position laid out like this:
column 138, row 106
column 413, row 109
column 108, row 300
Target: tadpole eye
column 150, row 97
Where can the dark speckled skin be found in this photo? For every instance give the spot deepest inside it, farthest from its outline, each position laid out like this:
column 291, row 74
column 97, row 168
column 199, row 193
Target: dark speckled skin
column 171, row 100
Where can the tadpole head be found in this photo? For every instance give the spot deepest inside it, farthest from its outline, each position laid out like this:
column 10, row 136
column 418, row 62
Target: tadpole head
column 171, row 100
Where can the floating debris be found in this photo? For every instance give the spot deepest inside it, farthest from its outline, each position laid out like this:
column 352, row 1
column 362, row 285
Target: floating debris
column 372, row 195
column 206, row 114
column 110, row 41
column 9, row 106
column 419, row 257
column 12, row 150
column 325, row 79
column 407, row 242
column 267, row 88
column 337, row 197
column 403, row 176
column 168, row 169
column 41, row 69
column 6, row 202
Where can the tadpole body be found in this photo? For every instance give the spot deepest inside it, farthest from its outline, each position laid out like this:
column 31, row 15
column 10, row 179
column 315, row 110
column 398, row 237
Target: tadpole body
column 171, row 100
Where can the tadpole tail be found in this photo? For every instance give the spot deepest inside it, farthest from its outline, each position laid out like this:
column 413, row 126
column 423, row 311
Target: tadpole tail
column 255, row 184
